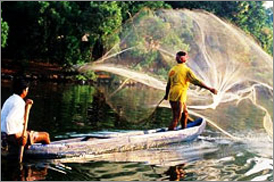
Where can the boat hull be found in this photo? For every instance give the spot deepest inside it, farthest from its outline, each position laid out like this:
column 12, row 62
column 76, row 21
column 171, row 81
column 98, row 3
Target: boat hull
column 115, row 142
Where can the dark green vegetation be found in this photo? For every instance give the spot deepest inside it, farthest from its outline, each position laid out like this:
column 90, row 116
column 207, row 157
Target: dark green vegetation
column 71, row 32
column 4, row 32
column 250, row 16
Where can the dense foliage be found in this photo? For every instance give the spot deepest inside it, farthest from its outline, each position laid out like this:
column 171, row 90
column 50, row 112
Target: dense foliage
column 4, row 32
column 74, row 32
column 250, row 16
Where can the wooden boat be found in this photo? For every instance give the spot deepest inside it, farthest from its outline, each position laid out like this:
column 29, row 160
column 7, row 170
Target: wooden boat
column 95, row 144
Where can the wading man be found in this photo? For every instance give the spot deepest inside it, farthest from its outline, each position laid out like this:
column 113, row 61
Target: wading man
column 179, row 78
column 13, row 114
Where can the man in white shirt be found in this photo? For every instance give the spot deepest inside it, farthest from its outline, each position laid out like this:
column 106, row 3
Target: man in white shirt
column 13, row 113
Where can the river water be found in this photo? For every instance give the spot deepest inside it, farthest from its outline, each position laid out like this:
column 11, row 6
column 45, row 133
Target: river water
column 65, row 110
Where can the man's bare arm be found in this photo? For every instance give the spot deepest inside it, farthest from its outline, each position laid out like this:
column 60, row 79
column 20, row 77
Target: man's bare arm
column 167, row 89
column 211, row 89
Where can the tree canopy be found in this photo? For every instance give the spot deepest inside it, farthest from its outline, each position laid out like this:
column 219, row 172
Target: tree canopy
column 4, row 32
column 74, row 32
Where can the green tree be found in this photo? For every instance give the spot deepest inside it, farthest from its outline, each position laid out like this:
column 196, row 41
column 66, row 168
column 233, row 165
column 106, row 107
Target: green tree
column 60, row 34
column 269, row 31
column 53, row 31
column 21, row 18
column 105, row 18
column 74, row 32
column 4, row 32
column 250, row 16
column 66, row 23
column 130, row 8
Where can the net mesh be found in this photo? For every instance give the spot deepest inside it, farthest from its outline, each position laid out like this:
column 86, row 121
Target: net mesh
column 220, row 54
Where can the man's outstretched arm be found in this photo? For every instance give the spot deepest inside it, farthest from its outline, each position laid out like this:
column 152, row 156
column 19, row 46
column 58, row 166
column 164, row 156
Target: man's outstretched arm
column 194, row 80
column 211, row 89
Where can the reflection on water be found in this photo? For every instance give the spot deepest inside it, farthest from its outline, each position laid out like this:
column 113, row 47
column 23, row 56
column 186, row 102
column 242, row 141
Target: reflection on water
column 25, row 172
column 176, row 173
column 65, row 110
column 134, row 103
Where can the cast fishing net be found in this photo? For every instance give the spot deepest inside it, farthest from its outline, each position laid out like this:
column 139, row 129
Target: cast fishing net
column 143, row 50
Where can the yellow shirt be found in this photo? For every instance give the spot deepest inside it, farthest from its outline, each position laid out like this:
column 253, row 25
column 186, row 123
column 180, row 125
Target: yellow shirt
column 179, row 77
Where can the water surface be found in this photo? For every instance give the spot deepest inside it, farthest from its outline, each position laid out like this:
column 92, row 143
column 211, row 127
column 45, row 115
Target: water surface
column 68, row 109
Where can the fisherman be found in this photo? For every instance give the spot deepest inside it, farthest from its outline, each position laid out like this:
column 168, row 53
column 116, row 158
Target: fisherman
column 176, row 90
column 12, row 119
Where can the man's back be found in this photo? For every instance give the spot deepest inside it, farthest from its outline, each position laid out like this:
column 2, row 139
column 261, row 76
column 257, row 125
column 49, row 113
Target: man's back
column 178, row 76
column 12, row 115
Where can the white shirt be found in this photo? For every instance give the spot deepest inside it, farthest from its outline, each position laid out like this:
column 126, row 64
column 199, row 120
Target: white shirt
column 12, row 115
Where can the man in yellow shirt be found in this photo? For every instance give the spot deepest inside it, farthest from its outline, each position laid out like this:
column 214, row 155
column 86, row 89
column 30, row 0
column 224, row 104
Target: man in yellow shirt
column 179, row 78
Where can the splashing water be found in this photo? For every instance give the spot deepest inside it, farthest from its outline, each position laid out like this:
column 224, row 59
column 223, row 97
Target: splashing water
column 220, row 54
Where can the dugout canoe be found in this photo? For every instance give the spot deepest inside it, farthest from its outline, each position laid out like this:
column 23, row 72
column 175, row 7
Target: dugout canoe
column 95, row 144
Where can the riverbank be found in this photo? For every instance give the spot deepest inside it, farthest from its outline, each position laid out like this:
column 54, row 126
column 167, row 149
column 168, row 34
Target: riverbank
column 36, row 71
